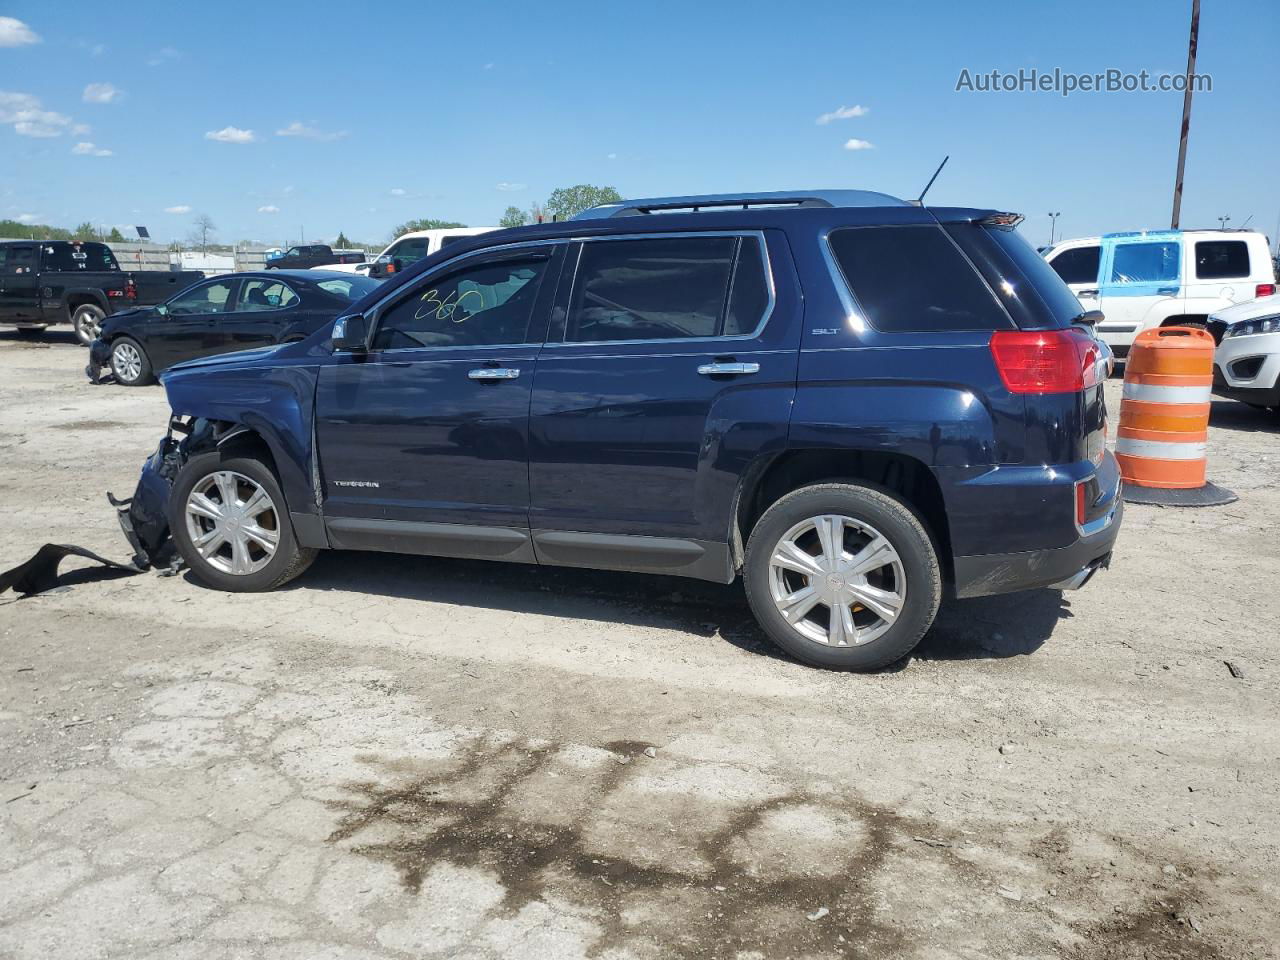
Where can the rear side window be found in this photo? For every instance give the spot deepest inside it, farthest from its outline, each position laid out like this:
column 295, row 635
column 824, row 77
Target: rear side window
column 1077, row 265
column 914, row 279
column 667, row 288
column 1222, row 259
column 1145, row 262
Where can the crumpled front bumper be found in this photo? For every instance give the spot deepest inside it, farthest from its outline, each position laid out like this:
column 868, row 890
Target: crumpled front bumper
column 99, row 358
column 144, row 517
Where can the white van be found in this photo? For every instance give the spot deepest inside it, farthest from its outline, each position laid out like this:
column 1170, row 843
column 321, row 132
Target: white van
column 408, row 249
column 1161, row 278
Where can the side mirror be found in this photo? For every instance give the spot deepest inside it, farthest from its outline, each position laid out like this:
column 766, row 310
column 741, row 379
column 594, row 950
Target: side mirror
column 351, row 334
column 162, row 310
column 1090, row 318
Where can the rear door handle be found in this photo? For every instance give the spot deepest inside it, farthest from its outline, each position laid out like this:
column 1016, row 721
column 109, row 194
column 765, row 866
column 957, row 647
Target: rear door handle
column 1168, row 291
column 1087, row 293
column 727, row 369
column 494, row 373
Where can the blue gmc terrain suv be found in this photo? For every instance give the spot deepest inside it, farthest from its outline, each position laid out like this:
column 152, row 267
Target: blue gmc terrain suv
column 855, row 402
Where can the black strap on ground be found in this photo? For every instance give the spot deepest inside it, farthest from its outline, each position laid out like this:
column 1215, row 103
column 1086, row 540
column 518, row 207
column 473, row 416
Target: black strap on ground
column 40, row 573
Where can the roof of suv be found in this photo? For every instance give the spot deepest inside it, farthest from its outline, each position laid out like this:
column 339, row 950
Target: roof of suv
column 716, row 202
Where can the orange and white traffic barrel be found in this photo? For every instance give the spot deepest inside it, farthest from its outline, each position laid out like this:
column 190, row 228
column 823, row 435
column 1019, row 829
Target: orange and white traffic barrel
column 1164, row 419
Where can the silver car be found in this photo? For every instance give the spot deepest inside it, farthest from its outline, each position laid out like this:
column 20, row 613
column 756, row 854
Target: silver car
column 1247, row 363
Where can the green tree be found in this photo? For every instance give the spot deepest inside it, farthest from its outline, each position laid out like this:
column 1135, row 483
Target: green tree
column 115, row 236
column 342, row 242
column 513, row 217
column 86, row 231
column 411, row 226
column 18, row 230
column 565, row 202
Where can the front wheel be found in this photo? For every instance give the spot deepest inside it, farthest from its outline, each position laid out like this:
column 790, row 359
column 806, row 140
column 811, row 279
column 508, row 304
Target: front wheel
column 129, row 363
column 87, row 322
column 843, row 575
column 229, row 521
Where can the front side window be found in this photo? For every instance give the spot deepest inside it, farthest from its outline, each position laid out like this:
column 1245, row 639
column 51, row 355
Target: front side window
column 1145, row 262
column 206, row 298
column 295, row 252
column 257, row 295
column 1077, row 265
column 479, row 304
column 1222, row 260
column 914, row 278
column 411, row 250
column 667, row 288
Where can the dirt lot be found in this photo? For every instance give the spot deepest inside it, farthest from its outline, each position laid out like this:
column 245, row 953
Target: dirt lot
column 403, row 757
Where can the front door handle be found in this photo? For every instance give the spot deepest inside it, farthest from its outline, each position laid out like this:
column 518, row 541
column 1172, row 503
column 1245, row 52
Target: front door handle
column 1087, row 293
column 1168, row 291
column 727, row 369
column 494, row 373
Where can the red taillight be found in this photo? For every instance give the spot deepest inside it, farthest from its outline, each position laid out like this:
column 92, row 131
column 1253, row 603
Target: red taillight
column 130, row 290
column 1264, row 290
column 1047, row 361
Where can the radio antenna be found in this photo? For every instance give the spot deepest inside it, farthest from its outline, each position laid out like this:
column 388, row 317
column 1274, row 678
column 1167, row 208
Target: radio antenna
column 920, row 199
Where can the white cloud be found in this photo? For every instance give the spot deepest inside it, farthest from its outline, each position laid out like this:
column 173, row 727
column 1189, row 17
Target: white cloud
column 856, row 144
column 163, row 55
column 101, row 93
column 86, row 149
column 27, row 217
column 231, row 135
column 843, row 113
column 398, row 191
column 488, row 66
column 180, row 208
column 28, row 116
column 269, row 208
column 611, row 156
column 15, row 33
column 297, row 129
column 80, row 129
column 511, row 187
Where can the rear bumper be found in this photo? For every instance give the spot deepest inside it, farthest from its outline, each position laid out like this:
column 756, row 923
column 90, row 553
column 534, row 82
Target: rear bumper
column 1063, row 568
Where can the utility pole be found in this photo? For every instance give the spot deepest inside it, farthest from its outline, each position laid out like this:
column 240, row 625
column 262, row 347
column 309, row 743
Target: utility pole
column 1186, row 111
column 1053, row 222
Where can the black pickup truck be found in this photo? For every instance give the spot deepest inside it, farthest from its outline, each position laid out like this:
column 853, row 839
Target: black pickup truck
column 306, row 256
column 69, row 281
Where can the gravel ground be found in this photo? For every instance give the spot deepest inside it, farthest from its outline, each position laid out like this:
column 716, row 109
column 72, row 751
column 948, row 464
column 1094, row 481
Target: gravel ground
column 406, row 757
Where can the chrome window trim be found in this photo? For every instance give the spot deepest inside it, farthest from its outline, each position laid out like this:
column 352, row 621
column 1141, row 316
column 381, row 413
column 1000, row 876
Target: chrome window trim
column 663, row 235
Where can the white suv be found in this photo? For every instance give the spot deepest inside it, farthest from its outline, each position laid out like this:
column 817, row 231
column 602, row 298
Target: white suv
column 408, row 249
column 1161, row 278
column 1247, row 364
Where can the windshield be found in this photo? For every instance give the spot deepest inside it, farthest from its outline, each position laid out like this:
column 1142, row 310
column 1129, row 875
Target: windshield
column 351, row 289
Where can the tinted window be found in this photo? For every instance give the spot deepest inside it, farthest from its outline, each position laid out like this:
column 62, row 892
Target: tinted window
column 206, row 298
column 411, row 250
column 1044, row 282
column 445, row 241
column 1078, row 265
column 348, row 289
column 77, row 256
column 19, row 260
column 750, row 295
column 475, row 305
column 1222, row 259
column 258, row 295
column 659, row 289
column 914, row 278
column 1145, row 262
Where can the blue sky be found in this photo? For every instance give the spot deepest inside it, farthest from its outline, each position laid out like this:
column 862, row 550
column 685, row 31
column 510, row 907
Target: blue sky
column 391, row 112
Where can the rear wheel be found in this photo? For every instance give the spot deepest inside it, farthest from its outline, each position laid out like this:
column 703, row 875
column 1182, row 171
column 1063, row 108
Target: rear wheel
column 843, row 575
column 87, row 322
column 229, row 520
column 129, row 363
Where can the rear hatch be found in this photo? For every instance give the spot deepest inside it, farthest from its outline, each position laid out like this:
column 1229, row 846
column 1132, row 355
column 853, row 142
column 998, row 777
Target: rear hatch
column 1054, row 358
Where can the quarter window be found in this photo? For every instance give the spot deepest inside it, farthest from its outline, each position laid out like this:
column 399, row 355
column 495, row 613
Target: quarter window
column 1145, row 262
column 481, row 304
column 914, row 279
column 1077, row 265
column 206, row 298
column 257, row 295
column 667, row 288
column 1222, row 260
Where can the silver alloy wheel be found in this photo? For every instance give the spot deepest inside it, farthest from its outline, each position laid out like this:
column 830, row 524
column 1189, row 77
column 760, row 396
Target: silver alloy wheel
column 126, row 362
column 232, row 522
column 89, row 327
column 844, row 568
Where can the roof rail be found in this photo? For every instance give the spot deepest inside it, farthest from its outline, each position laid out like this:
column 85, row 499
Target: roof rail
column 721, row 202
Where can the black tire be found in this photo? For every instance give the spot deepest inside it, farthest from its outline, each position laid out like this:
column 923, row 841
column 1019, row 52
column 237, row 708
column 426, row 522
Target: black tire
column 289, row 559
column 121, row 369
column 85, row 321
column 891, row 518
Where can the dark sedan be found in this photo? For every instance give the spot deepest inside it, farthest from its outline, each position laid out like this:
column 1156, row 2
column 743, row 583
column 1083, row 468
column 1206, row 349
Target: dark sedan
column 237, row 311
